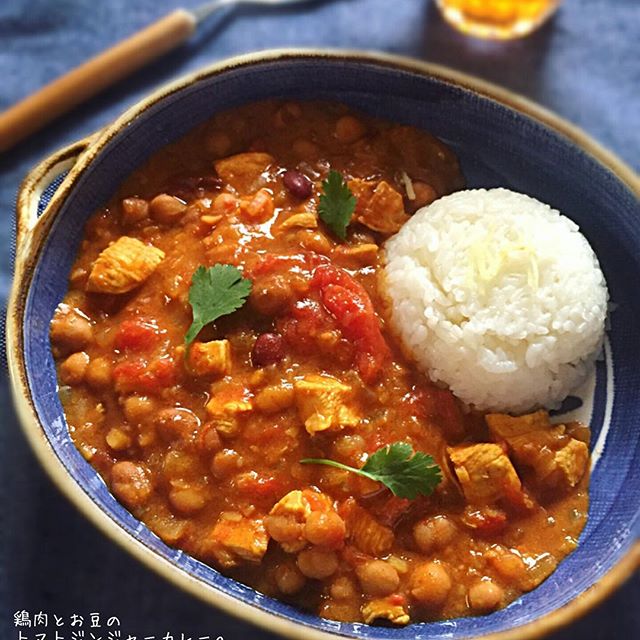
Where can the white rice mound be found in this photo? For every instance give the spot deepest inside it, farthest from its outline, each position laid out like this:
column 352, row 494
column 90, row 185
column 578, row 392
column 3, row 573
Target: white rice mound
column 498, row 296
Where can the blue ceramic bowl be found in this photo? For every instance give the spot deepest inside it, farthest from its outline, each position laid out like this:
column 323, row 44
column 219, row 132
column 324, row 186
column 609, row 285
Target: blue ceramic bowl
column 501, row 140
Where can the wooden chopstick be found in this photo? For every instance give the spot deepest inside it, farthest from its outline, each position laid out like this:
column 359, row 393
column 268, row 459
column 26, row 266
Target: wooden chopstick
column 85, row 81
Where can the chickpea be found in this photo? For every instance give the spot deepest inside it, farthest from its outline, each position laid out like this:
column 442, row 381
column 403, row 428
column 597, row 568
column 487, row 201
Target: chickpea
column 168, row 528
column 167, row 209
column 70, row 330
column 289, row 580
column 134, row 210
column 349, row 447
column 485, row 596
column 286, row 114
column 325, row 529
column 226, row 463
column 74, row 368
column 130, row 483
column 218, row 144
column 187, row 500
column 349, row 129
column 317, row 563
column 430, row 584
column 176, row 422
column 117, row 439
column 434, row 533
column 137, row 408
column 305, row 149
column 179, row 465
column 284, row 529
column 270, row 295
column 98, row 375
column 342, row 588
column 378, row 578
column 511, row 567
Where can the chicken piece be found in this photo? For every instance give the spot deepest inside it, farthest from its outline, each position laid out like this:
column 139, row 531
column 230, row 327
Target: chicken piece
column 322, row 403
column 557, row 459
column 235, row 538
column 123, row 266
column 274, row 398
column 257, row 208
column 210, row 358
column 300, row 503
column 366, row 533
column 226, row 407
column 380, row 207
column 503, row 426
column 486, row 474
column 571, row 462
column 294, row 508
column 363, row 191
column 292, row 504
column 392, row 608
column 304, row 220
column 244, row 170
column 359, row 255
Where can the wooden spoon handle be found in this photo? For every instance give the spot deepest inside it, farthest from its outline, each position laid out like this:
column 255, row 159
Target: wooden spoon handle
column 93, row 76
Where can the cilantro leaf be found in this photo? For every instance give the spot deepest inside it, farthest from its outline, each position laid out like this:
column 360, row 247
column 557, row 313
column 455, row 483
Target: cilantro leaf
column 405, row 472
column 215, row 292
column 337, row 204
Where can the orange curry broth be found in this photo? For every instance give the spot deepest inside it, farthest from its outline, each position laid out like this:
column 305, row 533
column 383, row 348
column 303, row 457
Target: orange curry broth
column 149, row 419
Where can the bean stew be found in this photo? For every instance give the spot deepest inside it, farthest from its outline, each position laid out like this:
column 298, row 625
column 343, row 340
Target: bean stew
column 233, row 235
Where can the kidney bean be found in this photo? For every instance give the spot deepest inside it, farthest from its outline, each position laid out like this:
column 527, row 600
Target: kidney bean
column 268, row 349
column 298, row 184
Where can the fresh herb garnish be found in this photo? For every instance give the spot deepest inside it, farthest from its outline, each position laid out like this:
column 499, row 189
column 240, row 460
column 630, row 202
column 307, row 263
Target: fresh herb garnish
column 405, row 472
column 215, row 291
column 337, row 204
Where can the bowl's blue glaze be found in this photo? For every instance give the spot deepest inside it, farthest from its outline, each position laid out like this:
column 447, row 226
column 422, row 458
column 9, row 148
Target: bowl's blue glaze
column 497, row 147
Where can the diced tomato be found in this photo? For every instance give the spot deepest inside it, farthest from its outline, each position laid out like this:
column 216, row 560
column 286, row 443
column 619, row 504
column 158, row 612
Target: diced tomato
column 264, row 264
column 265, row 435
column 487, row 521
column 375, row 441
column 439, row 405
column 270, row 263
column 308, row 319
column 136, row 335
column 448, row 409
column 397, row 599
column 392, row 510
column 260, row 486
column 317, row 501
column 351, row 306
column 353, row 556
column 142, row 377
column 208, row 439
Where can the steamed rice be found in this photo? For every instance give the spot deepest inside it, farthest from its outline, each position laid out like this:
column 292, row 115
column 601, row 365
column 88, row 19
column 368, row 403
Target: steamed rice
column 498, row 296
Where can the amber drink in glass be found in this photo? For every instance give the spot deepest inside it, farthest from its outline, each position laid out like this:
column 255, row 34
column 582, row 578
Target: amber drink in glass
column 497, row 19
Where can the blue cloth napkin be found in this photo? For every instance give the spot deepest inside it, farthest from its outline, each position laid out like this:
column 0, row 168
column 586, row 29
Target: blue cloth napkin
column 585, row 65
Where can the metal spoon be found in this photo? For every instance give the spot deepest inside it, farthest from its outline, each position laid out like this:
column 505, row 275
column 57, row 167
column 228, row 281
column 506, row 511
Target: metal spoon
column 105, row 69
column 205, row 10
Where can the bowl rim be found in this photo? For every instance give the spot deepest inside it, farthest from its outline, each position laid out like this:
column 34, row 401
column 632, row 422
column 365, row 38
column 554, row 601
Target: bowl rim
column 31, row 232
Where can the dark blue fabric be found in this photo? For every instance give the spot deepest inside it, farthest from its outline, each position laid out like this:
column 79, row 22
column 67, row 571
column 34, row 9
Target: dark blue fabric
column 585, row 65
